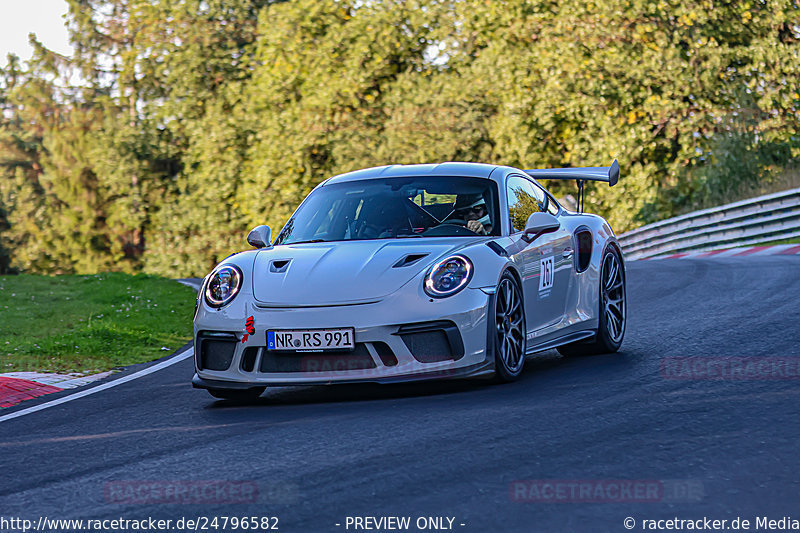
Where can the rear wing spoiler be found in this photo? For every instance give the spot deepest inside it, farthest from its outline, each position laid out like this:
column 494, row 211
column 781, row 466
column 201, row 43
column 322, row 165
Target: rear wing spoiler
column 608, row 175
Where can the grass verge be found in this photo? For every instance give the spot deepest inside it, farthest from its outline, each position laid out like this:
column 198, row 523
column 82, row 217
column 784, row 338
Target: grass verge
column 90, row 323
column 795, row 240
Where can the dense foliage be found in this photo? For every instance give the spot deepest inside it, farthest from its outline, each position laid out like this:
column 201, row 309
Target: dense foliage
column 176, row 126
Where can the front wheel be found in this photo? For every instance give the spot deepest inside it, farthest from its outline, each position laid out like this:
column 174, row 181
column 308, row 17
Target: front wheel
column 507, row 331
column 238, row 395
column 612, row 307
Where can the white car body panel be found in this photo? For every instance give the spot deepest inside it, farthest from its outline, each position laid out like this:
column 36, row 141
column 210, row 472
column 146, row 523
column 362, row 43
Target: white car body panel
column 356, row 284
column 335, row 273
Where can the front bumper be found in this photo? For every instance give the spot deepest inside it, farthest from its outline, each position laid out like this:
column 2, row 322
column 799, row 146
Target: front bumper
column 386, row 349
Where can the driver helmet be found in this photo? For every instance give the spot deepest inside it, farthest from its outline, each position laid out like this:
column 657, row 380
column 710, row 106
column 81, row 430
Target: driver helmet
column 466, row 202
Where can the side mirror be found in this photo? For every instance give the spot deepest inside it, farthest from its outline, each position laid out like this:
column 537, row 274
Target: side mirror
column 538, row 224
column 260, row 237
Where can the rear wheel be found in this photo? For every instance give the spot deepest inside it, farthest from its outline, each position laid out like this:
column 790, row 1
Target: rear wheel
column 239, row 395
column 613, row 310
column 508, row 329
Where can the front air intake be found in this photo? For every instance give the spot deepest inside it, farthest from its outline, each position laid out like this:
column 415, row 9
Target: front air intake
column 216, row 355
column 432, row 342
column 273, row 361
column 249, row 359
column 388, row 358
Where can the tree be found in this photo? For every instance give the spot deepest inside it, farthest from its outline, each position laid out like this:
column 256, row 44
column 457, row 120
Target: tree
column 322, row 95
column 176, row 126
column 653, row 84
column 201, row 63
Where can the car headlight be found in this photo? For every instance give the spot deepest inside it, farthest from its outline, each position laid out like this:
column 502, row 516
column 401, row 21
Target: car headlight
column 448, row 276
column 223, row 286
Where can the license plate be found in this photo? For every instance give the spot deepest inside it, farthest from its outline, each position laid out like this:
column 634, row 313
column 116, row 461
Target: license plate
column 311, row 339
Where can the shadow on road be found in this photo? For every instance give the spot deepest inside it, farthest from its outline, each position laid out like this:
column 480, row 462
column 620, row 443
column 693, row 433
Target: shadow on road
column 536, row 369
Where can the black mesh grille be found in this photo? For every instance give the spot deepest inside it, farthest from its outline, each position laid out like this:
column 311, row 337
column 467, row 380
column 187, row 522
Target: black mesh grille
column 428, row 346
column 385, row 353
column 311, row 362
column 216, row 355
column 249, row 359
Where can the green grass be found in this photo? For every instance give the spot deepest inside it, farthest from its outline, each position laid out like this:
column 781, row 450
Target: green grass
column 90, row 323
column 795, row 240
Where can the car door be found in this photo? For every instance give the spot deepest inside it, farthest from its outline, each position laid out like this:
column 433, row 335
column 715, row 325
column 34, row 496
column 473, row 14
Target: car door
column 545, row 263
column 564, row 265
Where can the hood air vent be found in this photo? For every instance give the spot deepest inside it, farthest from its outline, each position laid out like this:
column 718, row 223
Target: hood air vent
column 409, row 260
column 279, row 265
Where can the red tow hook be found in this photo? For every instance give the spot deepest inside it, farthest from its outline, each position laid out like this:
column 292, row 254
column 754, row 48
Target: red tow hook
column 248, row 326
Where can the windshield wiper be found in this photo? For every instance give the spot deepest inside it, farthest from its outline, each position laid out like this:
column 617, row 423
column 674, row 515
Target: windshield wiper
column 411, row 236
column 306, row 242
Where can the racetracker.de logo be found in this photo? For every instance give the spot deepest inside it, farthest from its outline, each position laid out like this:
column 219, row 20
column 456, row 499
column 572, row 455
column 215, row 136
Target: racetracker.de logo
column 180, row 491
column 586, row 490
column 731, row 368
column 605, row 490
column 334, row 365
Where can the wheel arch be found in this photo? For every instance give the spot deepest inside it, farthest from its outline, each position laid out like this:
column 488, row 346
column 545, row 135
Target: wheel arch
column 489, row 265
column 512, row 269
column 502, row 372
column 613, row 243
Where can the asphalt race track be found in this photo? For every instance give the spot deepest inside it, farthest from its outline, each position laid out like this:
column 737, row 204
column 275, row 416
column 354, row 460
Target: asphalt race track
column 723, row 448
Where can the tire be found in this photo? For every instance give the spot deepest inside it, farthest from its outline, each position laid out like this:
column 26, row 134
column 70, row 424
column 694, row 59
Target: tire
column 613, row 310
column 507, row 330
column 238, row 395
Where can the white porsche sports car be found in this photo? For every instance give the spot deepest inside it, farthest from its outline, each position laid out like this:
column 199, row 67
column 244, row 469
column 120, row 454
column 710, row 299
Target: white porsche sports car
column 401, row 273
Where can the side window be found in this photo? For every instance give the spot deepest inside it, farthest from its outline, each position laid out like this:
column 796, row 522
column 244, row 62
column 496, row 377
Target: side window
column 524, row 199
column 552, row 207
column 545, row 201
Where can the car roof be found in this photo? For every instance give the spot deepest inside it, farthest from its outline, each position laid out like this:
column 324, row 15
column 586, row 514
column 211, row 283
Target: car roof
column 470, row 170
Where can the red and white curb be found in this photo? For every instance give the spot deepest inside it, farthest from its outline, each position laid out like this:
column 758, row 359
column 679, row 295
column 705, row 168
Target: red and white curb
column 16, row 387
column 776, row 249
column 88, row 391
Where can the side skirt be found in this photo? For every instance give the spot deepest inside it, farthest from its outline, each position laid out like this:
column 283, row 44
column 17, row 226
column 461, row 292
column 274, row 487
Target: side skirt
column 559, row 341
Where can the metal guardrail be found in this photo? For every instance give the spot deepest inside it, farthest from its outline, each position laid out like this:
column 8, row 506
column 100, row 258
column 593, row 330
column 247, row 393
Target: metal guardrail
column 767, row 218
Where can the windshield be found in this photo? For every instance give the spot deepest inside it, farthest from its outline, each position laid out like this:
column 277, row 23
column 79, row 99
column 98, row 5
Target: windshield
column 395, row 208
